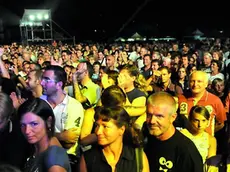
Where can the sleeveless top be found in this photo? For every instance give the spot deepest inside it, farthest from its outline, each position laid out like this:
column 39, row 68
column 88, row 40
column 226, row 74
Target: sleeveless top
column 201, row 142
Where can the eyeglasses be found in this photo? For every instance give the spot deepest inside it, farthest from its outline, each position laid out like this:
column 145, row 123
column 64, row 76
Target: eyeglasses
column 47, row 80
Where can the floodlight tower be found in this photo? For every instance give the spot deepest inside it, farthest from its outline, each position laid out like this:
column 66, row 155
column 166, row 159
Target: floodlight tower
column 36, row 26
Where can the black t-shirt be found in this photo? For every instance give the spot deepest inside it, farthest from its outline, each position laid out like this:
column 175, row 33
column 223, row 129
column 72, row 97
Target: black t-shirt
column 146, row 73
column 177, row 154
column 135, row 93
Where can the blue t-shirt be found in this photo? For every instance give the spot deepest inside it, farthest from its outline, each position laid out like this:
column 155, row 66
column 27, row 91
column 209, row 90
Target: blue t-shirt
column 54, row 155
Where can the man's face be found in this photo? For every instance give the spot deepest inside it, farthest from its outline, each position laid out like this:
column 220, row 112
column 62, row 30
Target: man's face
column 65, row 57
column 100, row 55
column 197, row 83
column 159, row 119
column 147, row 60
column 207, row 60
column 110, row 61
column 81, row 71
column 165, row 75
column 49, row 83
column 143, row 52
column 185, row 60
column 26, row 68
column 31, row 81
column 155, row 66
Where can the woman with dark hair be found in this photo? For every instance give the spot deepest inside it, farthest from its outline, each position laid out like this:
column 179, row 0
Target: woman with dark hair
column 215, row 71
column 199, row 120
column 111, row 96
column 117, row 140
column 182, row 79
column 37, row 125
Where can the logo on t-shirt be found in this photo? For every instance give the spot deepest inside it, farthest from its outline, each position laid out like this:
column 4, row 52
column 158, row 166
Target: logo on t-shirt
column 165, row 165
column 209, row 108
column 184, row 108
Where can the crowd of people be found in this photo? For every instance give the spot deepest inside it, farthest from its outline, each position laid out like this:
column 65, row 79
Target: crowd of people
column 161, row 106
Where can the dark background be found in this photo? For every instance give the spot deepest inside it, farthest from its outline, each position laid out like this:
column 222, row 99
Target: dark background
column 101, row 20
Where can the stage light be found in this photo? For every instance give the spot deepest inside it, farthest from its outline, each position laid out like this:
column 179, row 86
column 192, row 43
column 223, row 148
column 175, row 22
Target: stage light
column 46, row 16
column 31, row 17
column 39, row 16
column 30, row 23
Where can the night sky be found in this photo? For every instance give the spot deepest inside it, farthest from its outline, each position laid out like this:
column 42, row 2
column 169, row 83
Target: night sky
column 104, row 19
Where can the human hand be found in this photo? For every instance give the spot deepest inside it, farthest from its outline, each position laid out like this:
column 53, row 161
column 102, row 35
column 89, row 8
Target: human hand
column 70, row 135
column 17, row 100
column 122, row 79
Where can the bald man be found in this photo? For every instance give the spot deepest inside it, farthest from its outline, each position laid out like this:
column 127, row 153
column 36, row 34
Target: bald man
column 167, row 149
column 198, row 82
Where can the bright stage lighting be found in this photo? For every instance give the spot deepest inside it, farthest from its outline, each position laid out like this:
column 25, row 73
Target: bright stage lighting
column 31, row 17
column 39, row 16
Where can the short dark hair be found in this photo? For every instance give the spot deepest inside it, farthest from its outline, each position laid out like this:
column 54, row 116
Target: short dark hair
column 59, row 73
column 113, row 96
column 89, row 67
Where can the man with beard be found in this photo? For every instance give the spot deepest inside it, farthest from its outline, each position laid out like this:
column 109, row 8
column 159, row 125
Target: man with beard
column 68, row 112
column 85, row 90
column 34, row 83
column 167, row 149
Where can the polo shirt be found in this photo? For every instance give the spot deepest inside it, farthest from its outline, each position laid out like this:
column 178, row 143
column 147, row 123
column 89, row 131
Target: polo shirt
column 210, row 101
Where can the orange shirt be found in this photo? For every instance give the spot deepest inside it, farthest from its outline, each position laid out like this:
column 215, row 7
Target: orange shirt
column 210, row 101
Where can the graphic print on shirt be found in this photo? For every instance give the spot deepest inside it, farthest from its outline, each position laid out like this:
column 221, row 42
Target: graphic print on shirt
column 184, row 108
column 209, row 108
column 165, row 165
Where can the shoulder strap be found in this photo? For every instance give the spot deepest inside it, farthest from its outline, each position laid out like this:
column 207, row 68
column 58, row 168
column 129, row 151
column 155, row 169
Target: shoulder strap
column 139, row 159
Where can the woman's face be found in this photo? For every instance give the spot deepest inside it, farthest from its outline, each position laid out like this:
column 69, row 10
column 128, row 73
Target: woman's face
column 96, row 68
column 107, row 132
column 33, row 128
column 193, row 69
column 214, row 67
column 191, row 61
column 199, row 123
column 182, row 73
column 215, row 56
column 219, row 87
column 176, row 60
